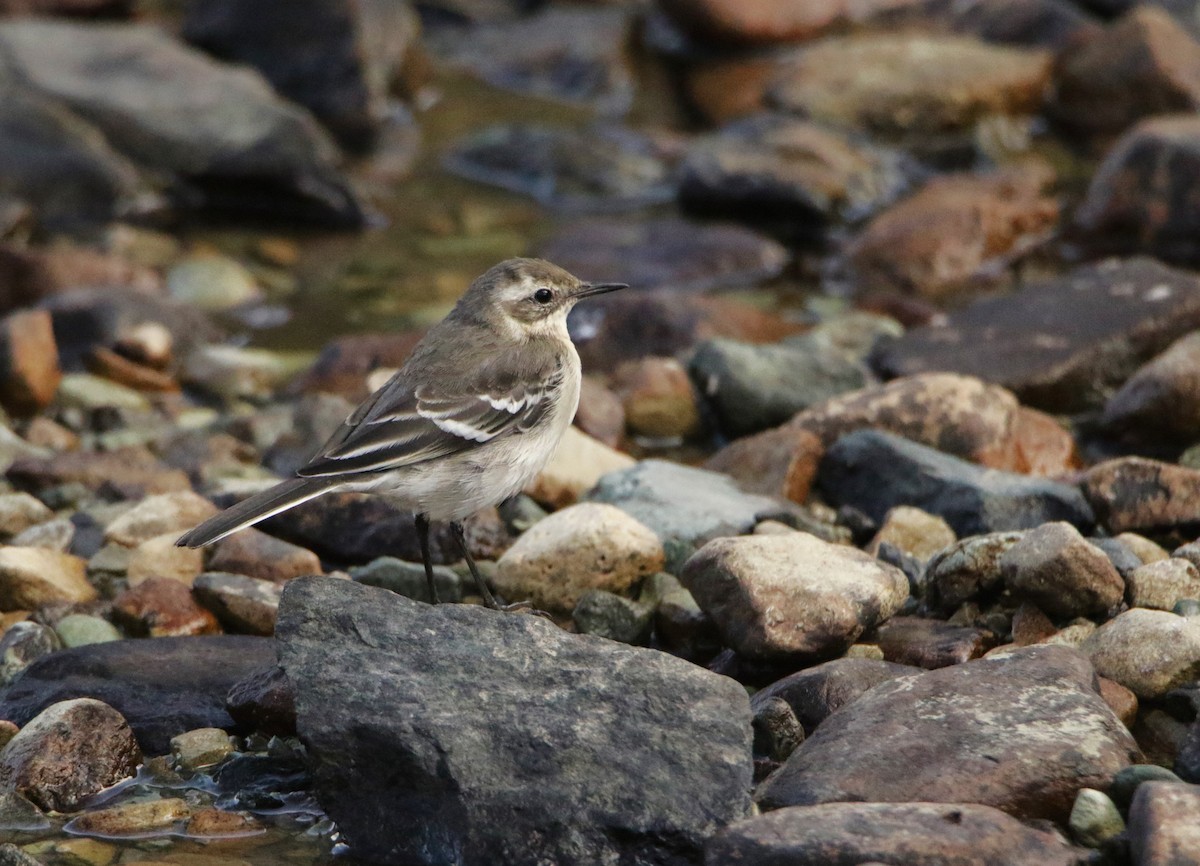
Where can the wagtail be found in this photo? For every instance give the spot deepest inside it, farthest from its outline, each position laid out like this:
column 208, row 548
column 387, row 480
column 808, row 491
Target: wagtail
column 468, row 421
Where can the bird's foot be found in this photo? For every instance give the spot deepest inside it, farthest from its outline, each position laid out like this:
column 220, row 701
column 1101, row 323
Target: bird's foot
column 525, row 607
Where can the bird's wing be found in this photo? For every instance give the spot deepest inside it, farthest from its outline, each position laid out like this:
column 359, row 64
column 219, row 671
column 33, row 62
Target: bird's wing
column 402, row 426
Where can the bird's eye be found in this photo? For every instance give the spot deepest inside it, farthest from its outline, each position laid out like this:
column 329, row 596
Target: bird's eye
column 543, row 296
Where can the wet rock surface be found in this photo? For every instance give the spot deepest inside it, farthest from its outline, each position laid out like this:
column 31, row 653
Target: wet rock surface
column 423, row 655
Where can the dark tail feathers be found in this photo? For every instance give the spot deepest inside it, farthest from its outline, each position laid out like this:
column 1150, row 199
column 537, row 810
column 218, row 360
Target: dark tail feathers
column 260, row 506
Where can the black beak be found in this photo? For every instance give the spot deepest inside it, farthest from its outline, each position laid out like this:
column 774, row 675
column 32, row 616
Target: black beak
column 586, row 290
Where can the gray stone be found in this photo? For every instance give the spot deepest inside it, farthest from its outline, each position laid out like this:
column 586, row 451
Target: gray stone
column 1126, row 782
column 21, row 645
column 968, row 570
column 1149, row 652
column 1160, row 403
column 752, row 387
column 1094, row 818
column 52, row 535
column 816, row 693
column 1057, row 569
column 874, row 472
column 1021, row 731
column 408, row 579
column 608, row 615
column 244, row 605
column 414, row 768
column 685, row 506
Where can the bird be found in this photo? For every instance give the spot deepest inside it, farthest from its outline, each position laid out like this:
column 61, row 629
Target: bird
column 468, row 421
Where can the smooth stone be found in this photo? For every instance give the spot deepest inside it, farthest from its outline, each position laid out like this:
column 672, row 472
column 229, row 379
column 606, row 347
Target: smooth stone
column 130, row 473
column 161, row 557
column 1126, row 782
column 1147, row 651
column 79, row 629
column 658, row 400
column 32, row 576
column 20, row 511
column 1160, row 403
column 1022, row 732
column 212, row 281
column 157, row 515
column 554, row 784
column 608, row 615
column 244, row 605
column 1094, row 818
column 577, row 464
column 1141, row 495
column 162, row 607
column 68, row 752
column 816, row 693
column 1164, row 824
column 408, row 579
column 22, row 644
column 1057, row 569
column 792, row 597
column 1164, row 584
column 931, row 644
column 684, row 506
column 57, row 534
column 255, row 554
column 265, row 702
column 916, row 533
column 234, row 373
column 17, row 814
column 778, row 462
column 132, row 819
column 202, row 747
column 90, row 393
column 874, row 472
column 162, row 687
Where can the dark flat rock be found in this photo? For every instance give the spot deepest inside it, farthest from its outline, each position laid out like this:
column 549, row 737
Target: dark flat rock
column 816, row 692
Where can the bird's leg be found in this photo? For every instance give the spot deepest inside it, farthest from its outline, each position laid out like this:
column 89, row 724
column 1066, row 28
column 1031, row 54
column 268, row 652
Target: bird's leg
column 422, row 523
column 456, row 529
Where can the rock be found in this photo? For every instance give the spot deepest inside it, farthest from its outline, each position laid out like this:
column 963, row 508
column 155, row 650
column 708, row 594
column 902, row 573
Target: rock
column 1029, row 625
column 32, row 576
column 160, row 557
column 920, row 834
column 658, row 400
column 574, row 54
column 777, row 733
column 1147, row 551
column 256, row 554
column 54, row 535
column 202, row 747
column 679, row 623
column 78, row 629
column 408, row 579
column 1160, row 403
column 1143, row 64
column 605, row 168
column 766, row 22
column 1062, row 344
column 1161, row 736
column 1148, row 651
column 956, row 233
column 88, row 393
column 223, row 825
column 212, row 282
column 753, row 387
column 1126, row 782
column 930, row 644
column 1053, row 24
column 337, row 59
column 22, row 644
column 1163, row 824
column 612, row 616
column 685, row 507
column 789, row 174
column 576, row 465
column 1043, row 446
column 912, row 83
column 1055, row 568
column 234, row 373
column 132, row 819
column 162, row 687
column 257, row 154
column 913, row 532
column 29, row 370
column 1022, row 732
column 1162, row 585
column 1094, row 818
column 162, row 607
column 874, row 472
column 666, row 253
column 157, row 515
column 582, row 547
column 792, row 597
column 1137, row 201
column 779, row 462
column 264, row 702
column 244, row 605
column 1120, row 700
column 816, row 693
column 1133, row 494
column 357, row 653
column 20, row 511
column 600, row 413
column 344, row 364
column 959, row 415
column 130, row 473
column 68, row 752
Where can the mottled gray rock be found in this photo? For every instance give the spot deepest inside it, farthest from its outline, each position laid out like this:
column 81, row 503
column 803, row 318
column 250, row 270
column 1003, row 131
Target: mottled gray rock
column 1057, row 569
column 606, row 614
column 1127, row 781
column 915, row 834
column 931, row 643
column 1160, row 403
column 874, row 472
column 967, row 570
column 685, row 506
column 1149, row 652
column 408, row 579
column 1021, row 731
column 792, row 596
column 1163, row 584
column 1094, row 818
column 1149, row 496
column 414, row 768
column 244, row 605
column 22, row 644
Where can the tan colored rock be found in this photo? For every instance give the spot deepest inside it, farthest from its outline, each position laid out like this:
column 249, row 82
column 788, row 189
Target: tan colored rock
column 1140, row 495
column 218, row 824
column 201, row 747
column 1057, row 569
column 1161, row 585
column 32, row 576
column 577, row 464
column 1043, row 446
column 1147, row 551
column 29, row 370
column 1121, row 701
column 244, row 605
column 1149, row 652
column 158, row 515
column 254, row 553
column 132, row 819
column 586, row 546
column 658, row 398
column 19, row 511
column 913, row 531
column 778, row 462
column 159, row 557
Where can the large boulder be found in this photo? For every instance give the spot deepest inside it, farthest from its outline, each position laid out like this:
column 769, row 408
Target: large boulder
column 416, row 767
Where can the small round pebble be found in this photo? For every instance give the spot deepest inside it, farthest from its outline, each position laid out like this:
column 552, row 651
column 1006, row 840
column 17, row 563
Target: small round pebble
column 1127, row 780
column 202, row 747
column 1094, row 818
column 79, row 629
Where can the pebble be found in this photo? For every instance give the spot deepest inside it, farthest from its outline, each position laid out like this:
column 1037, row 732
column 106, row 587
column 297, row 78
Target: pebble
column 1120, row 700
column 244, row 605
column 1147, row 551
column 68, row 752
column 31, row 577
column 29, row 362
column 1094, row 818
column 203, row 747
column 254, row 553
column 90, row 393
column 578, row 463
column 613, row 616
column 408, row 579
column 930, row 644
column 79, row 629
column 778, row 462
column 160, row 557
column 1163, row 584
column 20, row 511
column 234, row 373
column 158, row 515
column 1160, row 403
column 1148, row 651
column 1164, row 821
column 131, row 819
column 586, row 546
column 657, row 398
column 1126, row 782
column 679, row 623
column 54, row 534
column 22, row 644
column 1057, row 569
column 968, row 570
column 792, row 597
column 212, row 282
column 162, row 607
column 915, row 532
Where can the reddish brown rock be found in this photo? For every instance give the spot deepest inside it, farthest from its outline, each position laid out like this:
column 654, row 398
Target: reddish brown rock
column 956, row 233
column 600, row 413
column 658, row 398
column 1133, row 494
column 930, row 643
column 1030, row 625
column 29, row 371
column 771, row 21
column 779, row 462
column 44, row 433
column 131, row 473
column 1160, row 403
column 1143, row 64
column 103, row 361
column 1055, row 568
column 1021, row 732
column 344, row 364
column 68, row 752
column 1164, row 824
column 30, row 275
column 1043, row 446
column 1122, row 701
column 264, row 701
column 242, row 604
column 162, row 607
column 254, row 553
column 727, row 88
column 817, row 692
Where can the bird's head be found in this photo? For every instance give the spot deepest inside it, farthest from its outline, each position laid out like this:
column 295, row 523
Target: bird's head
column 529, row 296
